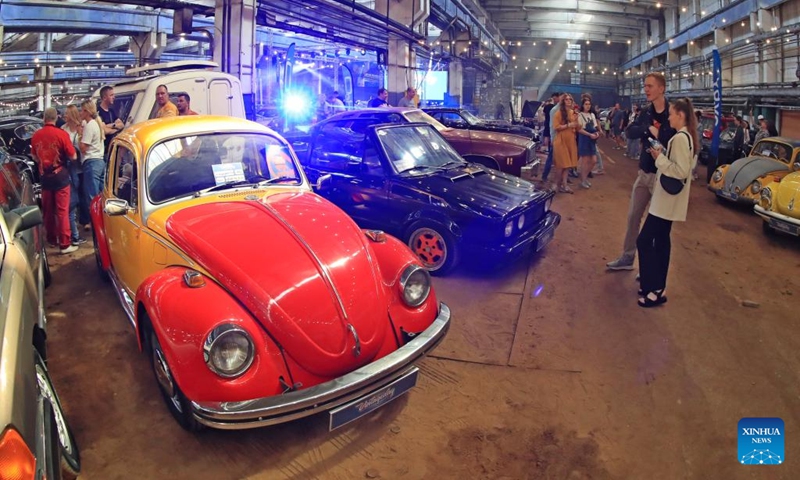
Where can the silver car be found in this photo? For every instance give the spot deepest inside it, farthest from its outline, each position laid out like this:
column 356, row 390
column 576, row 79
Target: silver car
column 36, row 441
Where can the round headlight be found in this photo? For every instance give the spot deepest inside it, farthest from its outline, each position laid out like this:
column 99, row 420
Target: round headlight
column 521, row 222
column 766, row 199
column 797, row 165
column 756, row 186
column 717, row 175
column 509, row 228
column 415, row 285
column 228, row 351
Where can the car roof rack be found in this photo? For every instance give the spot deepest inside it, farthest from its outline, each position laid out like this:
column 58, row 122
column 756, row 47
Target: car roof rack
column 172, row 67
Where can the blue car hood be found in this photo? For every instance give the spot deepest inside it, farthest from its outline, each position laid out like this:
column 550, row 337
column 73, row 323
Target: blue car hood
column 478, row 189
column 742, row 172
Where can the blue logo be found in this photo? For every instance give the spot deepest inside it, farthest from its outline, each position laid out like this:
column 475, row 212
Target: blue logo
column 761, row 441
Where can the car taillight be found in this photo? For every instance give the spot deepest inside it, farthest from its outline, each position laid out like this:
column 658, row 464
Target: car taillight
column 16, row 460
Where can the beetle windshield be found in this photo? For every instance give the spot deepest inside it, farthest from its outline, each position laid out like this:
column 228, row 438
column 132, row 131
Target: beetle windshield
column 773, row 149
column 188, row 165
column 417, row 147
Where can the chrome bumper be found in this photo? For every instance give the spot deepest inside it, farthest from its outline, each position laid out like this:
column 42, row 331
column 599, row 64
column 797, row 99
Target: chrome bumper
column 770, row 215
column 325, row 396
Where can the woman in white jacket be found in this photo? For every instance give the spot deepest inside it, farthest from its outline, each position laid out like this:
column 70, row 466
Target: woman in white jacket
column 665, row 207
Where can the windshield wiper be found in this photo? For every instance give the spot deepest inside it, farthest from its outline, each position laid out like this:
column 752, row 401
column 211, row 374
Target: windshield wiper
column 223, row 186
column 452, row 163
column 417, row 167
column 278, row 179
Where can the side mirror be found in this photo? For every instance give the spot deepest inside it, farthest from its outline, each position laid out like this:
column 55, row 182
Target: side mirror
column 115, row 207
column 23, row 218
column 323, row 182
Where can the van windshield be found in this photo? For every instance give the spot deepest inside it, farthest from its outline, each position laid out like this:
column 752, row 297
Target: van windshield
column 123, row 103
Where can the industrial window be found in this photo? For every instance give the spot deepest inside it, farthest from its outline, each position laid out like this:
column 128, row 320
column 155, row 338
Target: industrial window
column 575, row 78
column 574, row 52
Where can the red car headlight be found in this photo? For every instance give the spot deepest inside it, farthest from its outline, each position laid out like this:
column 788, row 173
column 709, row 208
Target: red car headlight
column 415, row 285
column 228, row 351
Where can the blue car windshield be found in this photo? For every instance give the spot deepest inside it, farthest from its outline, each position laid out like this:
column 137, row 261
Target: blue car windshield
column 416, row 148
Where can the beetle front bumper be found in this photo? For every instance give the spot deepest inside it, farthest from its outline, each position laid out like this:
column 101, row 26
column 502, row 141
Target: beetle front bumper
column 277, row 409
column 725, row 193
column 779, row 221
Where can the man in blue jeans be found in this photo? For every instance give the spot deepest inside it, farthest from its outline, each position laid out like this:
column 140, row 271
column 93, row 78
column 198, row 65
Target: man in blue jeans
column 548, row 164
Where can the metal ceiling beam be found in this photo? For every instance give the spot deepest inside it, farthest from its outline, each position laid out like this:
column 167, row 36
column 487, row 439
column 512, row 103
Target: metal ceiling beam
column 577, row 6
column 569, row 19
column 526, row 37
column 524, row 27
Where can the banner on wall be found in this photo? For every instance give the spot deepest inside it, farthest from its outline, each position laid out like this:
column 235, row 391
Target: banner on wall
column 717, row 71
column 288, row 73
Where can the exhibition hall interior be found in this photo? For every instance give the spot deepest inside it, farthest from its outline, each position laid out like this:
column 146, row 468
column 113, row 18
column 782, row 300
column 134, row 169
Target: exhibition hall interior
column 399, row 239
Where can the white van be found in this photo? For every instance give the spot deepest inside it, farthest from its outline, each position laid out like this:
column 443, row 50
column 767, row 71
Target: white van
column 211, row 92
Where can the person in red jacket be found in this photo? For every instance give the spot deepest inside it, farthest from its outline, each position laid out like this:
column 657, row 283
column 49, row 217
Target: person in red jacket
column 52, row 149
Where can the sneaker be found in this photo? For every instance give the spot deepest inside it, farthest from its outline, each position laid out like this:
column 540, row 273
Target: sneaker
column 68, row 250
column 79, row 241
column 622, row 263
column 591, row 175
column 586, row 185
column 598, row 172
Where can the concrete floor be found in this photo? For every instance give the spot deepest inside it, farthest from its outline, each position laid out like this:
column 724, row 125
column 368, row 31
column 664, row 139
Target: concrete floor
column 576, row 382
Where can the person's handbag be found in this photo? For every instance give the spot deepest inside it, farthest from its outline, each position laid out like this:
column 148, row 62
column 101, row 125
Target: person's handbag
column 673, row 185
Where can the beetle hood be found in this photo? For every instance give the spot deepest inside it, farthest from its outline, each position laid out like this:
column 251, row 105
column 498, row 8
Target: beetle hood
column 479, row 189
column 788, row 195
column 300, row 266
column 742, row 172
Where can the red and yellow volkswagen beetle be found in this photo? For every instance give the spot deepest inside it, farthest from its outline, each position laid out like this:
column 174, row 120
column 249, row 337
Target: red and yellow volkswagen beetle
column 258, row 301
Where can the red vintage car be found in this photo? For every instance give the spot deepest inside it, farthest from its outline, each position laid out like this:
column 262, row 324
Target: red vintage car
column 258, row 301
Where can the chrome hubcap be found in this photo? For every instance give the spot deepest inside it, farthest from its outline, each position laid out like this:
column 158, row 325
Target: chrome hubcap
column 163, row 374
column 61, row 425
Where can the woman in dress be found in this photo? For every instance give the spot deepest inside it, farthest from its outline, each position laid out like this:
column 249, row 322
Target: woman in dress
column 676, row 165
column 565, row 147
column 587, row 140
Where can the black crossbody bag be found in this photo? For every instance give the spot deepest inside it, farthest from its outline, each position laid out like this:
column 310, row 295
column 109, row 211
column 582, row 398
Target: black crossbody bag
column 673, row 185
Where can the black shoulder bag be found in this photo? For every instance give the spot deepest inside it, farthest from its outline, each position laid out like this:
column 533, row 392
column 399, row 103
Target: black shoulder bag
column 673, row 185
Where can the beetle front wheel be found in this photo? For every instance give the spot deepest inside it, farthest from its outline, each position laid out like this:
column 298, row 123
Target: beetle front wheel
column 177, row 403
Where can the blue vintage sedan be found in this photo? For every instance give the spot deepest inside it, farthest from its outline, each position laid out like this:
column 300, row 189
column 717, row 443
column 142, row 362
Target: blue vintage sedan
column 408, row 181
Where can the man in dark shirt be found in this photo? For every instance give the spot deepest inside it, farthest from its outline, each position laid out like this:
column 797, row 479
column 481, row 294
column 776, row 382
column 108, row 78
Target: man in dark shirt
column 653, row 123
column 546, row 133
column 738, row 138
column 380, row 100
column 108, row 114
